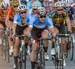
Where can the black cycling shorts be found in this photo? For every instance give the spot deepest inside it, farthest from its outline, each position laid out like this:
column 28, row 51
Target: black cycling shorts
column 36, row 33
column 20, row 29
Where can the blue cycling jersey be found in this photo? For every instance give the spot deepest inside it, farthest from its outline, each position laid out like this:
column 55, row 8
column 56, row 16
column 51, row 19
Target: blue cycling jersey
column 18, row 19
column 35, row 22
column 28, row 16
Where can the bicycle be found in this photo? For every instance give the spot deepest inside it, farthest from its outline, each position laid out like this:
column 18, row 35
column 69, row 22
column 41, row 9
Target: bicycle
column 40, row 58
column 1, row 36
column 70, row 50
column 22, row 53
column 59, row 51
column 5, row 46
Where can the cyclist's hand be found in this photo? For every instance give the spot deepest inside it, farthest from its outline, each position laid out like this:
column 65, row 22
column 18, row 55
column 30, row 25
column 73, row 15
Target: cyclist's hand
column 69, row 32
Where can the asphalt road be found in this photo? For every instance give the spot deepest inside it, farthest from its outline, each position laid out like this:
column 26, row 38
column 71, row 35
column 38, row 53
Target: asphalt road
column 49, row 63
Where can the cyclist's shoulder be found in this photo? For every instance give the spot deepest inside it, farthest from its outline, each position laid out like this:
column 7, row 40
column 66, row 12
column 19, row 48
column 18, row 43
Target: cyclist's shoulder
column 17, row 16
column 10, row 11
column 34, row 19
column 48, row 18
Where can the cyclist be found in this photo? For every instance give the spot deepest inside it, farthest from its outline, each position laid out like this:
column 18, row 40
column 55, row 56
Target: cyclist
column 60, row 20
column 38, row 28
column 19, row 28
column 69, row 11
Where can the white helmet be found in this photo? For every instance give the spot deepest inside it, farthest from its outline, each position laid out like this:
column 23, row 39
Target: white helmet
column 59, row 4
column 21, row 7
column 67, row 4
column 42, row 11
column 35, row 5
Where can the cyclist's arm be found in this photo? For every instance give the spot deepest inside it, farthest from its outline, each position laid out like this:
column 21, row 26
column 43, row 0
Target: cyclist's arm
column 31, row 24
column 14, row 28
column 51, row 27
column 68, row 24
column 7, row 21
column 15, row 22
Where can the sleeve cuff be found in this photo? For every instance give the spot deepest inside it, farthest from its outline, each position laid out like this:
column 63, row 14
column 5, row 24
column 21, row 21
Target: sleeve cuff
column 51, row 26
column 16, row 22
column 31, row 26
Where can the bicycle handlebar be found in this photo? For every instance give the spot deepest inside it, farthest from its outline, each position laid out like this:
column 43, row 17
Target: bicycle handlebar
column 58, row 35
column 20, row 36
column 63, row 35
column 45, row 39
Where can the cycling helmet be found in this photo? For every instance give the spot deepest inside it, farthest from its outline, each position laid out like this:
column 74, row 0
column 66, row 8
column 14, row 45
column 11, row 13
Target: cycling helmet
column 21, row 7
column 35, row 5
column 59, row 4
column 42, row 11
column 67, row 4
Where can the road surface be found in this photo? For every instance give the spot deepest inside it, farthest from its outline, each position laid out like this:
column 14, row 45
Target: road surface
column 49, row 63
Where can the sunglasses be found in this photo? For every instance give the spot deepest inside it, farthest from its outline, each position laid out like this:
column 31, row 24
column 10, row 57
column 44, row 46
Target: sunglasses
column 43, row 16
column 23, row 12
column 67, row 7
column 59, row 9
column 34, row 9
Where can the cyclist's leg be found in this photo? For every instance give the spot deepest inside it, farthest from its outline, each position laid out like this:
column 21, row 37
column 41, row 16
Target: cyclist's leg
column 10, row 38
column 63, row 30
column 56, row 29
column 27, row 41
column 33, row 56
column 17, row 44
column 11, row 44
column 1, row 33
column 16, row 50
column 45, row 35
